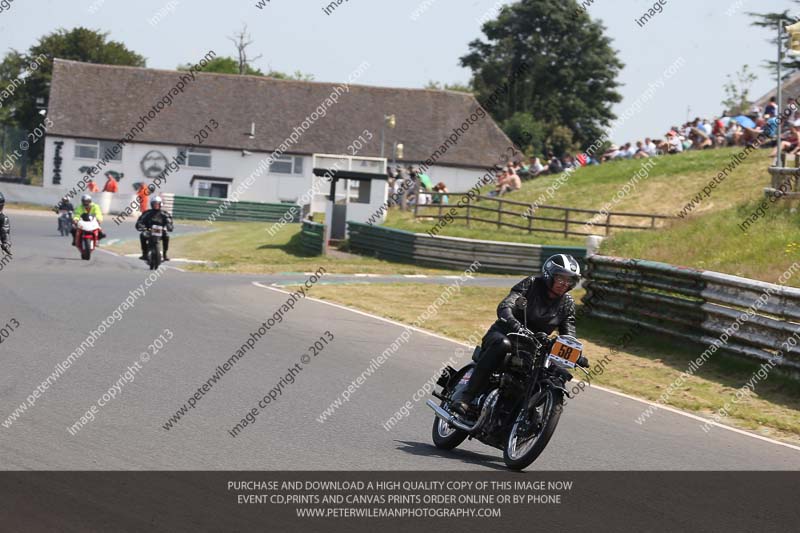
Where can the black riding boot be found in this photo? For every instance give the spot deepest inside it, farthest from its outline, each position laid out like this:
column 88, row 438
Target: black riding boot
column 495, row 346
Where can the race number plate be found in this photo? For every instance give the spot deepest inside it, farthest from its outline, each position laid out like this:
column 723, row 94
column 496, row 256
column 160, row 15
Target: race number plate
column 157, row 231
column 566, row 351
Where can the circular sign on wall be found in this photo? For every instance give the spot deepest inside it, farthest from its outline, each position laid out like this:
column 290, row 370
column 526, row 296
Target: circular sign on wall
column 153, row 163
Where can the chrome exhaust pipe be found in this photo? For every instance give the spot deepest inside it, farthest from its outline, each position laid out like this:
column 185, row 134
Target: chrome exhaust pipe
column 488, row 406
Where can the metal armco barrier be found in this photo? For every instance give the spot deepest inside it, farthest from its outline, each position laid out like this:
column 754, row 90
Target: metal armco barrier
column 312, row 238
column 696, row 305
column 197, row 208
column 453, row 252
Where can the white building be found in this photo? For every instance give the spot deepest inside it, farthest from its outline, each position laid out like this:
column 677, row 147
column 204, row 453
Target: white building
column 250, row 137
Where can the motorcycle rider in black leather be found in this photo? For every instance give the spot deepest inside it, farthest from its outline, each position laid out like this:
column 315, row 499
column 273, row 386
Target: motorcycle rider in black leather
column 5, row 227
column 549, row 307
column 154, row 215
column 65, row 205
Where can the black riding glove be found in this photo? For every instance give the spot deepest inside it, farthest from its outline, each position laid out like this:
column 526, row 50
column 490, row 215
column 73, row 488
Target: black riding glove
column 514, row 325
column 6, row 247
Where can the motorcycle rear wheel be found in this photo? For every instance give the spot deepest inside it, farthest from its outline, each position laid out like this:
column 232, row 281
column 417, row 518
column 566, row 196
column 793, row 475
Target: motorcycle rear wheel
column 445, row 436
column 519, row 452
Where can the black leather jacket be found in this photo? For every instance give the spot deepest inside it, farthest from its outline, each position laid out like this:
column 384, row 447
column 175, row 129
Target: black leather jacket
column 544, row 314
column 5, row 228
column 152, row 216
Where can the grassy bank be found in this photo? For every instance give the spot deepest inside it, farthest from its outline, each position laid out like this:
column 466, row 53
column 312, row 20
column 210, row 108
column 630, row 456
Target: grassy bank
column 714, row 241
column 247, row 247
column 643, row 367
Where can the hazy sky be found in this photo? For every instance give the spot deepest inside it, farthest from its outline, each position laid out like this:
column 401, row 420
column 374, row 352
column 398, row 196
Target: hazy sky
column 712, row 36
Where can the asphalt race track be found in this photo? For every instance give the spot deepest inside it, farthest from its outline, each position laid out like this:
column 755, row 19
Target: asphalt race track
column 57, row 299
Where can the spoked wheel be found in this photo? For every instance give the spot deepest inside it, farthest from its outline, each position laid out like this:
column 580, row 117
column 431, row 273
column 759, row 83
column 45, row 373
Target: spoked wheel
column 532, row 430
column 445, row 436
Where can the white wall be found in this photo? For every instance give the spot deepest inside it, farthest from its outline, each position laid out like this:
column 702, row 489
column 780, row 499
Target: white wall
column 224, row 164
column 268, row 187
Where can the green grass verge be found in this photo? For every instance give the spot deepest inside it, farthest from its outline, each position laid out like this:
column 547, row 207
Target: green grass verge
column 644, row 367
column 247, row 247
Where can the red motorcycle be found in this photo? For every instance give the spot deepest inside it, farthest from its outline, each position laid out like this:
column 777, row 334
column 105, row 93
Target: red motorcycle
column 87, row 234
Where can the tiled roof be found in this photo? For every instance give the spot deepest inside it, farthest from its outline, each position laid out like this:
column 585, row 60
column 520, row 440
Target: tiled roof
column 106, row 101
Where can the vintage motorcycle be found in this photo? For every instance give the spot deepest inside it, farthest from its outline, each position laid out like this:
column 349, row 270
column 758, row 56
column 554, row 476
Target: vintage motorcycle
column 154, row 235
column 87, row 234
column 525, row 397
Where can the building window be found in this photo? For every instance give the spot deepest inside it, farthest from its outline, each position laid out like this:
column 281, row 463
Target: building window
column 210, row 189
column 195, row 157
column 287, row 164
column 86, row 149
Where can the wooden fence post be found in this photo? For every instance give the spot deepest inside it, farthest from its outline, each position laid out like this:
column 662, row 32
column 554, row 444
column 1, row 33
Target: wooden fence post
column 608, row 223
column 499, row 212
column 566, row 222
column 467, row 214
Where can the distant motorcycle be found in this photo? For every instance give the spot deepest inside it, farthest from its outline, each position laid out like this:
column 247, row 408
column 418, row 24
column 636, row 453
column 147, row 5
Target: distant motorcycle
column 64, row 222
column 525, row 398
column 87, row 234
column 154, row 235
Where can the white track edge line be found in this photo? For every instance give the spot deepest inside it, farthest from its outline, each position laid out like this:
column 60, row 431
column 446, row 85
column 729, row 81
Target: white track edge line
column 622, row 394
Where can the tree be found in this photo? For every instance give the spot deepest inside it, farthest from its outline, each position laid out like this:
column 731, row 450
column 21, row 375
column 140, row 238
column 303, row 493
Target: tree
column 224, row 65
column 737, row 91
column 525, row 132
column 549, row 59
column 299, row 76
column 242, row 40
column 770, row 22
column 439, row 86
column 79, row 44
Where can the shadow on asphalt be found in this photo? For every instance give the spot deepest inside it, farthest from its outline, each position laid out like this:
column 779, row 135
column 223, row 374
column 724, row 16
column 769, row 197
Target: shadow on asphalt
column 473, row 458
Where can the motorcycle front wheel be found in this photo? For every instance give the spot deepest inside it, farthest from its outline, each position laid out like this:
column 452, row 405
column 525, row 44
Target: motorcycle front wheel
column 155, row 254
column 445, row 436
column 86, row 250
column 532, row 430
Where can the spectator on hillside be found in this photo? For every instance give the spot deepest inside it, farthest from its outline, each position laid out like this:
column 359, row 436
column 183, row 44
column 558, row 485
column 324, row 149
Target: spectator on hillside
column 674, row 143
column 641, row 152
column 440, row 193
column 500, row 181
column 536, row 168
column 627, row 151
column 771, row 110
column 789, row 141
column 610, row 154
column 734, row 133
column 510, row 184
column 555, row 166
column 650, row 147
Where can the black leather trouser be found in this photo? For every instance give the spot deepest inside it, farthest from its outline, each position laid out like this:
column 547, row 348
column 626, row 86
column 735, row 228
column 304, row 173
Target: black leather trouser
column 143, row 242
column 494, row 347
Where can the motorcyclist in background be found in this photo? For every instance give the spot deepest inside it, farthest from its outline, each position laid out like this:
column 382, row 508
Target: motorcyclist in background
column 65, row 205
column 154, row 215
column 90, row 208
column 5, row 227
column 549, row 307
